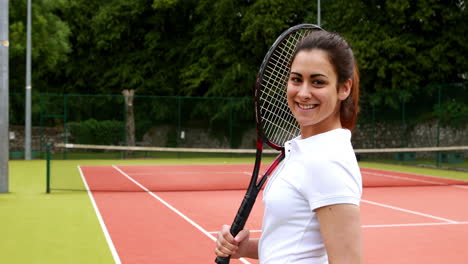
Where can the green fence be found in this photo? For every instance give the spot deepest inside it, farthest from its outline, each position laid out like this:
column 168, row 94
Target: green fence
column 438, row 117
column 158, row 121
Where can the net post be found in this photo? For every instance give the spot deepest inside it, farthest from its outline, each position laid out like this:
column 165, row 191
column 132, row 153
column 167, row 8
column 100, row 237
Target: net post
column 48, row 168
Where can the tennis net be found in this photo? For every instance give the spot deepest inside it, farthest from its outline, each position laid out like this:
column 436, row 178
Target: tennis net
column 123, row 168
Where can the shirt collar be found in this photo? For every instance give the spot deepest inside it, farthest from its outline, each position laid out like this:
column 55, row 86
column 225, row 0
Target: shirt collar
column 325, row 138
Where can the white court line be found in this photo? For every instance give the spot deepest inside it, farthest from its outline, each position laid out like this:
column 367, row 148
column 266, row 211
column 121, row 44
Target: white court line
column 190, row 221
column 420, row 175
column 420, row 180
column 115, row 255
column 410, row 211
column 416, row 224
column 403, row 178
column 384, row 226
column 189, row 173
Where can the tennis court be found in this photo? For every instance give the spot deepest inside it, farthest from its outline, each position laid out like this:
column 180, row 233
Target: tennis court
column 171, row 213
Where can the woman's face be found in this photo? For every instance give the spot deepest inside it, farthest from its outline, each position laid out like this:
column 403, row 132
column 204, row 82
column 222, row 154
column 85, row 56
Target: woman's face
column 312, row 94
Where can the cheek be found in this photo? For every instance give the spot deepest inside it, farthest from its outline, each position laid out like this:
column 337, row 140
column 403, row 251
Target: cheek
column 290, row 93
column 292, row 89
column 329, row 95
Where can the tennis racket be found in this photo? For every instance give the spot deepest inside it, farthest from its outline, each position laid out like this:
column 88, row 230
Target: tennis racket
column 275, row 122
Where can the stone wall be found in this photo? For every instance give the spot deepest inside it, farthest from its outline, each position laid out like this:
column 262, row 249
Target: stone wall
column 421, row 135
column 49, row 134
column 378, row 136
column 163, row 136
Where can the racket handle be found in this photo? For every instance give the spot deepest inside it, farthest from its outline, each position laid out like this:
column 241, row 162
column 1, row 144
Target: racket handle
column 221, row 260
column 240, row 220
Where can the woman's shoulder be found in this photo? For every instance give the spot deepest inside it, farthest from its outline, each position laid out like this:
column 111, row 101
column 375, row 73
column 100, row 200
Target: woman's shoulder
column 334, row 167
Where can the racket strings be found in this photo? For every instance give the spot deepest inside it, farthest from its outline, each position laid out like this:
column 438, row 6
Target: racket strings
column 278, row 123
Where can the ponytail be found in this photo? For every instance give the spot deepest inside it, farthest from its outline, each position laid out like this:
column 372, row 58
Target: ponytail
column 349, row 108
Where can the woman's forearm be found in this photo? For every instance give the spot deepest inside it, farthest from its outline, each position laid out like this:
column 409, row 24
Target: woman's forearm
column 251, row 250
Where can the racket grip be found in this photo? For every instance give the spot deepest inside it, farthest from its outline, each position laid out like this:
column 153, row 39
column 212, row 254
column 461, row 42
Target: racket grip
column 240, row 220
column 243, row 213
column 221, row 260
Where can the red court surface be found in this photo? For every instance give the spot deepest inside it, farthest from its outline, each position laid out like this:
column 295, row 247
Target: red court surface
column 151, row 215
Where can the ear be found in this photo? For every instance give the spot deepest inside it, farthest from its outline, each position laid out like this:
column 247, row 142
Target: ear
column 345, row 90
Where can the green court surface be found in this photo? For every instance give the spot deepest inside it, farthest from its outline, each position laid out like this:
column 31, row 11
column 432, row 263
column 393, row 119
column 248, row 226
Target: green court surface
column 36, row 227
column 62, row 227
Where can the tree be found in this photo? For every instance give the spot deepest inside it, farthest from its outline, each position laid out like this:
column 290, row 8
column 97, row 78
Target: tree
column 403, row 45
column 50, row 42
column 50, row 51
column 229, row 42
column 214, row 48
column 127, row 45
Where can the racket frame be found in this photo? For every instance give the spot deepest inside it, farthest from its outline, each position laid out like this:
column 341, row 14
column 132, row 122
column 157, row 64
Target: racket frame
column 260, row 82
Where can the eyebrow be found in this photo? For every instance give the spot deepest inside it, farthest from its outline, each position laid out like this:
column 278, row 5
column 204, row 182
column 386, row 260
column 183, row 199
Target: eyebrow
column 311, row 76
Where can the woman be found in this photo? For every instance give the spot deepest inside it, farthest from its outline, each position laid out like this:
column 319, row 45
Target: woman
column 312, row 200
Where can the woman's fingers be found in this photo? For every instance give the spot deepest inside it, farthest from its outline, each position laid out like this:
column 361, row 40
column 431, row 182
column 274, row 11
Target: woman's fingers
column 226, row 245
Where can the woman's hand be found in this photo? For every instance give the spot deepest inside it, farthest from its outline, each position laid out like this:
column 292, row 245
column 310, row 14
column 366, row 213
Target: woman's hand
column 227, row 245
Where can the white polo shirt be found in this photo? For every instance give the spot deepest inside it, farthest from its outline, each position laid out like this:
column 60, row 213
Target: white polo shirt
column 317, row 171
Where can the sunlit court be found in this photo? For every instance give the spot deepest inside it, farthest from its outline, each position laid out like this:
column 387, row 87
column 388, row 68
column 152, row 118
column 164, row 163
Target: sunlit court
column 171, row 213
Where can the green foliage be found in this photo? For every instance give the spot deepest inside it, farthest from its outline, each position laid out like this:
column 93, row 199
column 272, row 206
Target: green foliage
column 454, row 114
column 50, row 42
column 402, row 45
column 91, row 131
column 164, row 4
column 453, row 110
column 209, row 48
column 216, row 62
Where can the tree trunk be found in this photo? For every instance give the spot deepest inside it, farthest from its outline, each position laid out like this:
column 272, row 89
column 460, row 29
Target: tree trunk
column 130, row 120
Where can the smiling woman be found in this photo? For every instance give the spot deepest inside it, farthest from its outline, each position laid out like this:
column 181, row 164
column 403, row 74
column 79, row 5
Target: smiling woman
column 324, row 74
column 312, row 199
column 320, row 175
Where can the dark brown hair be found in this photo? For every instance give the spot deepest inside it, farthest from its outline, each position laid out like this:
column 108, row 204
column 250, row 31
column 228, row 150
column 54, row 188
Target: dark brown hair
column 342, row 58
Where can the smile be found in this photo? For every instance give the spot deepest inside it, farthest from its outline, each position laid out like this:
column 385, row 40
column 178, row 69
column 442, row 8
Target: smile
column 307, row 107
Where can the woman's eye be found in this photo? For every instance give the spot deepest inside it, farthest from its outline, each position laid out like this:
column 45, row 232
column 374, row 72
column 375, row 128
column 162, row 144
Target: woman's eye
column 296, row 79
column 318, row 82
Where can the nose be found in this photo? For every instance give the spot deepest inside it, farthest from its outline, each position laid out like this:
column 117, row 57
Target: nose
column 304, row 92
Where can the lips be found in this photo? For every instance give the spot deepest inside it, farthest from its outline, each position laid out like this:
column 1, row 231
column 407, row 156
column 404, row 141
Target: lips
column 307, row 106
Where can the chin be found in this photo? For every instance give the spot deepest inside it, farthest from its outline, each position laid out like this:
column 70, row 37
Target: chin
column 306, row 123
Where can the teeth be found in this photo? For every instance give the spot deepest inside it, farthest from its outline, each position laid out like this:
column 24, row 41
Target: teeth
column 307, row 106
